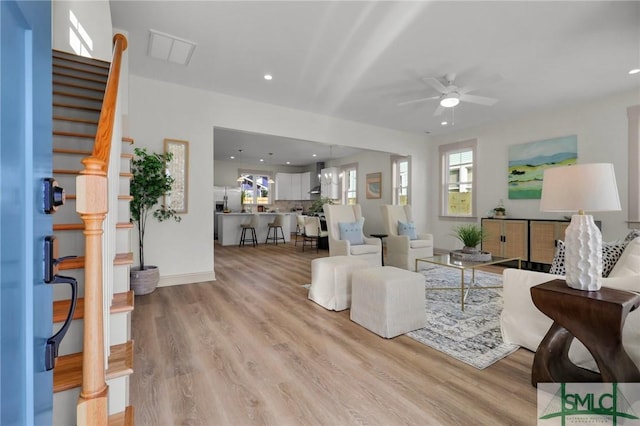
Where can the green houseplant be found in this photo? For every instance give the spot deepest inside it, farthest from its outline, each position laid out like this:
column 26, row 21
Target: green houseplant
column 471, row 235
column 316, row 206
column 150, row 182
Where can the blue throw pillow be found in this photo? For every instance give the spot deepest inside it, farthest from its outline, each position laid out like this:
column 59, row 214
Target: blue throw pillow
column 352, row 231
column 409, row 229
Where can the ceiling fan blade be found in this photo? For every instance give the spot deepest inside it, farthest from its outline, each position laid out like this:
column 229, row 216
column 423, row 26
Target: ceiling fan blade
column 436, row 84
column 482, row 100
column 438, row 111
column 415, row 101
column 488, row 81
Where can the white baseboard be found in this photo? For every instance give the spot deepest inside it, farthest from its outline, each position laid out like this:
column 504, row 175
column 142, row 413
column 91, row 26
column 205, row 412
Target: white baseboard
column 197, row 277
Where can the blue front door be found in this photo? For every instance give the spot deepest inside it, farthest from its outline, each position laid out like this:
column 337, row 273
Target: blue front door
column 26, row 395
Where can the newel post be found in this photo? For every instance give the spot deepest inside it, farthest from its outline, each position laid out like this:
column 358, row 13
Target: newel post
column 92, row 205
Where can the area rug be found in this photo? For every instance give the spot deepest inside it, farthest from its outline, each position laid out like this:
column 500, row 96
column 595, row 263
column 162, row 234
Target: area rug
column 473, row 335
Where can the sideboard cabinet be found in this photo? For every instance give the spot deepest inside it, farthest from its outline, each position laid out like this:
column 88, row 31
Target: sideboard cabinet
column 506, row 237
column 543, row 239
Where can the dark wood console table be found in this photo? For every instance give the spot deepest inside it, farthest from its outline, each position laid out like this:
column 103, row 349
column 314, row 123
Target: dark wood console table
column 596, row 319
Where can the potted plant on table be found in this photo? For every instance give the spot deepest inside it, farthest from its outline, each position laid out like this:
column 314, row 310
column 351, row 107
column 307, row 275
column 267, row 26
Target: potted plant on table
column 317, row 205
column 471, row 236
column 150, row 182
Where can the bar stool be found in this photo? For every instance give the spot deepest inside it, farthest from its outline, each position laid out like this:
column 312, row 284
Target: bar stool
column 252, row 225
column 299, row 227
column 275, row 225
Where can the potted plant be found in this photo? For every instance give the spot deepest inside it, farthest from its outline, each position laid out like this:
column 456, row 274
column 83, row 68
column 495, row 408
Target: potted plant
column 471, row 235
column 150, row 182
column 316, row 206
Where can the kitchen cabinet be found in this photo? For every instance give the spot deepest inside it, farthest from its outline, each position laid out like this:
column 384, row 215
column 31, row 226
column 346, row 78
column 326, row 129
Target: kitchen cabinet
column 506, row 237
column 544, row 236
column 293, row 186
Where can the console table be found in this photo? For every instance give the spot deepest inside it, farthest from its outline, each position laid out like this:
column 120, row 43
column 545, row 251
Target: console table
column 596, row 319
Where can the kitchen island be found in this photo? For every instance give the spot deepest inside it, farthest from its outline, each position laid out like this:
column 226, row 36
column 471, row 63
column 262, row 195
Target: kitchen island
column 229, row 226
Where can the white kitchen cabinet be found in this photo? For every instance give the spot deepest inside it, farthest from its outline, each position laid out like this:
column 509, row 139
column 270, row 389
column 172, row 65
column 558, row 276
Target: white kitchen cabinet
column 293, row 186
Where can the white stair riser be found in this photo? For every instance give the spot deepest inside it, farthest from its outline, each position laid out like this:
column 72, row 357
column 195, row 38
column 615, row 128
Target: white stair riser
column 76, row 113
column 64, row 78
column 64, row 403
column 70, row 99
column 74, row 127
column 72, row 342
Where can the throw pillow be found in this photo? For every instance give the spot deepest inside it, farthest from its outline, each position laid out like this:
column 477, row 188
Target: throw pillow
column 632, row 235
column 557, row 266
column 629, row 263
column 611, row 252
column 407, row 228
column 352, row 231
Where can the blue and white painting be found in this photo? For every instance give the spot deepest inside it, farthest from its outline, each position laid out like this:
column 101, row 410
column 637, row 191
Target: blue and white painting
column 527, row 163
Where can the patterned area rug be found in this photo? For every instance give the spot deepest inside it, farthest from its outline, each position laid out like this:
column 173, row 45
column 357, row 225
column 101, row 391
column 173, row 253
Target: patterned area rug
column 473, row 335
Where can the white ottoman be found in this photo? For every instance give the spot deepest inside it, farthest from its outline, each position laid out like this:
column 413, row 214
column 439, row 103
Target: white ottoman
column 388, row 301
column 331, row 281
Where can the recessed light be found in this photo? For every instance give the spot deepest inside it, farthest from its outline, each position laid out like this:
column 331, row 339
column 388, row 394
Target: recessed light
column 313, row 155
column 288, row 162
column 233, row 157
column 268, row 77
column 634, row 71
column 444, row 123
column 262, row 159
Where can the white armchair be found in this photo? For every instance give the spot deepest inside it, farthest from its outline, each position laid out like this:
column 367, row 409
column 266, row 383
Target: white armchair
column 402, row 251
column 370, row 249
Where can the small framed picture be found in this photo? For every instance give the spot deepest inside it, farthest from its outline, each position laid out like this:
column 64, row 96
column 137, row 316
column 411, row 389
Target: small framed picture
column 374, row 182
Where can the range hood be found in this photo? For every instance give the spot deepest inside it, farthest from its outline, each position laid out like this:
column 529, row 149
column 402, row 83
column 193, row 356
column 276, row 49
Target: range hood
column 316, row 189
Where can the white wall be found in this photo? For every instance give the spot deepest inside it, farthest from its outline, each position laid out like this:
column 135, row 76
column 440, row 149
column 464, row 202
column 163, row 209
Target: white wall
column 601, row 127
column 157, row 110
column 93, row 28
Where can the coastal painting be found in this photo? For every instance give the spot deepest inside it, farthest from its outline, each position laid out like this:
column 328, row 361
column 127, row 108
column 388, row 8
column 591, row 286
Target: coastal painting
column 527, row 163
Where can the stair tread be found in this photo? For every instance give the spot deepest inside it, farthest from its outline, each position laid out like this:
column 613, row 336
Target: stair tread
column 75, row 119
column 67, row 373
column 77, row 96
column 123, row 418
column 74, row 134
column 122, row 302
column 70, row 151
column 78, row 262
column 75, row 106
column 77, row 86
column 126, row 174
column 104, row 73
column 127, row 139
column 61, row 54
column 129, row 156
column 65, row 172
column 77, row 77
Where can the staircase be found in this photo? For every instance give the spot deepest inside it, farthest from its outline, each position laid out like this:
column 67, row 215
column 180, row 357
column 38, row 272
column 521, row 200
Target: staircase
column 78, row 90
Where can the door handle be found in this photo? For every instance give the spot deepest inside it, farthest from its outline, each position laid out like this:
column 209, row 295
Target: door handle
column 50, row 277
column 54, row 195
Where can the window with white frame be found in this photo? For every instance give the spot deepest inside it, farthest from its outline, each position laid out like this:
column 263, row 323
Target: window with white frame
column 456, row 177
column 350, row 184
column 400, row 172
column 256, row 187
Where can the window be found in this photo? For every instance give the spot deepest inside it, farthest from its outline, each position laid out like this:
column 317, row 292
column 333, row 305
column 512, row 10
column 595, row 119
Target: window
column 457, row 170
column 400, row 173
column 256, row 187
column 350, row 184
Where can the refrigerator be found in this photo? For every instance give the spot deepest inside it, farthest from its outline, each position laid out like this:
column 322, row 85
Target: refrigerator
column 233, row 203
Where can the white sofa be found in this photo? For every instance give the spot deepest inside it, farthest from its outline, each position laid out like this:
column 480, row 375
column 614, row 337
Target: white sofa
column 524, row 325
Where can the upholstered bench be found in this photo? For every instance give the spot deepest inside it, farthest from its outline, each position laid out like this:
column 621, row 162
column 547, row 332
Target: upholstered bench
column 331, row 281
column 387, row 300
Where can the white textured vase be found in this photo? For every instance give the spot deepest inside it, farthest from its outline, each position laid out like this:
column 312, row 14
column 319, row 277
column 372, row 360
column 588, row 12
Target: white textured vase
column 583, row 254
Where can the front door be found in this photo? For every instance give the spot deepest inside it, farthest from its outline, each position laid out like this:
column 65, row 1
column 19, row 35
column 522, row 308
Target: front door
column 26, row 396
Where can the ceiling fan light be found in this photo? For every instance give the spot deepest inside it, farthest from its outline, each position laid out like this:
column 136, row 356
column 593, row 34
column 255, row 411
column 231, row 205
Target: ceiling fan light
column 450, row 100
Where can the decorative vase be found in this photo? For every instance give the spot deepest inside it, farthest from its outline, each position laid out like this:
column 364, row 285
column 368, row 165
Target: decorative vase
column 144, row 281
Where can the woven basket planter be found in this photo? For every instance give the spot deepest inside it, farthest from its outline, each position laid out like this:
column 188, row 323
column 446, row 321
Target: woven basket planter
column 479, row 256
column 144, row 281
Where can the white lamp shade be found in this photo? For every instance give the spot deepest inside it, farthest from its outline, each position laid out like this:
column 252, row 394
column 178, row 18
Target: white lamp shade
column 581, row 187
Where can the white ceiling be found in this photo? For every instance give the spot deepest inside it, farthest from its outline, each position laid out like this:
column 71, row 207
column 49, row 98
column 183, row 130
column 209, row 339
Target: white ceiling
column 358, row 60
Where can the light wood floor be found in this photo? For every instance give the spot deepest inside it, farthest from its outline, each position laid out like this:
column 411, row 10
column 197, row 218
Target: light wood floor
column 250, row 348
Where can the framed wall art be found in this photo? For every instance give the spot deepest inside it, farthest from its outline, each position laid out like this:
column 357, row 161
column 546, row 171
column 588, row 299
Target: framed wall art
column 374, row 182
column 178, row 168
column 527, row 163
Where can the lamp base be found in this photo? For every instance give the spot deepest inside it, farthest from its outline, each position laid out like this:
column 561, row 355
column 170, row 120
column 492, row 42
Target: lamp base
column 583, row 254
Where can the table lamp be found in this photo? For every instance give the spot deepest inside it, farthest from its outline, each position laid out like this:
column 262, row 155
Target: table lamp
column 581, row 187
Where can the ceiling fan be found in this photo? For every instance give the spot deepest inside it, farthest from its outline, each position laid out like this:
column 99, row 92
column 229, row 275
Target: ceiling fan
column 451, row 95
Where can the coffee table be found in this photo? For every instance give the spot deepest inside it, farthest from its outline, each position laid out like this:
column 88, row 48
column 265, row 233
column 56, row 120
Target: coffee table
column 463, row 265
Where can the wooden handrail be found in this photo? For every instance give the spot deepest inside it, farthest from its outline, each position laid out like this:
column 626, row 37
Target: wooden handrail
column 102, row 146
column 92, row 205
